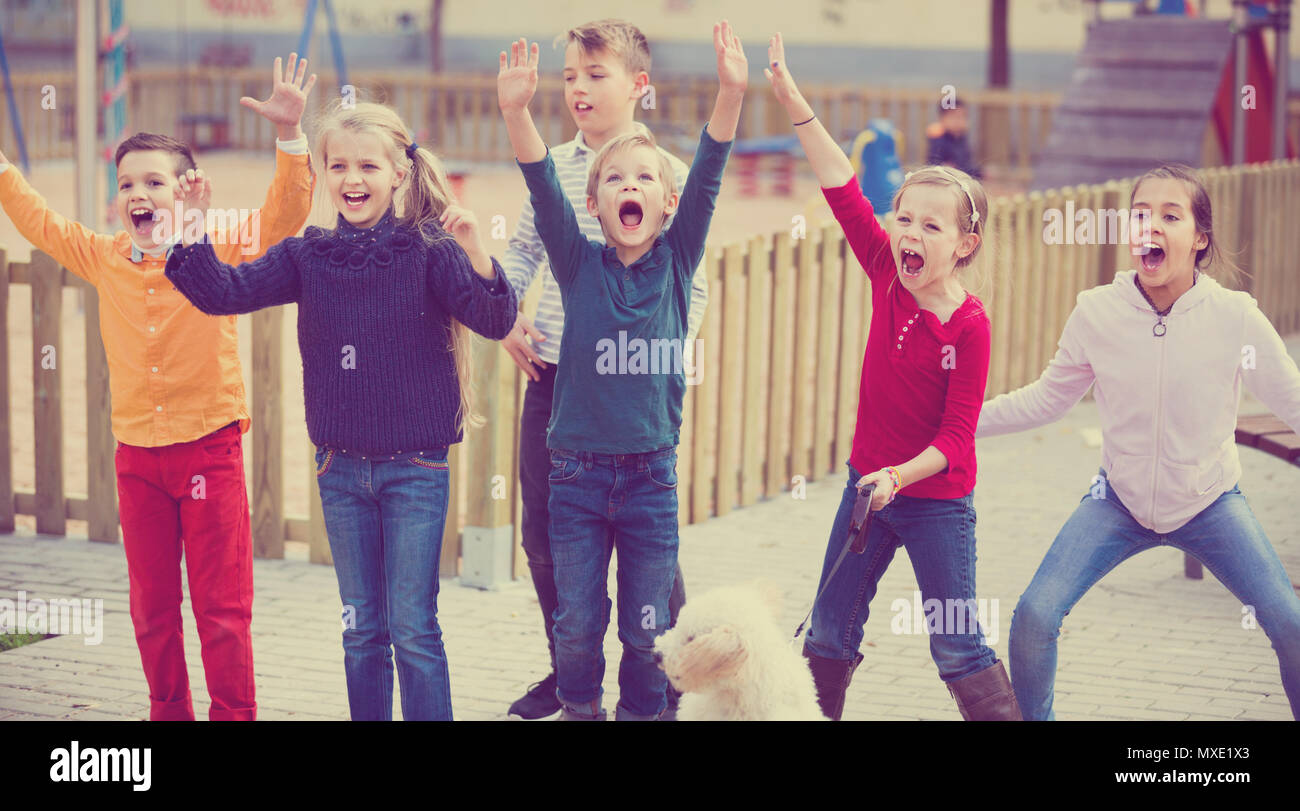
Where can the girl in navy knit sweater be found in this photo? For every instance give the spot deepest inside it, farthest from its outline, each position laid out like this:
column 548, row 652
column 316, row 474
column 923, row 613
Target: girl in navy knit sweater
column 384, row 301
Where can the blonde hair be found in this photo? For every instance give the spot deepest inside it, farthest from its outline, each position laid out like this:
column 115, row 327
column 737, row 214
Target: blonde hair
column 623, row 143
column 972, row 203
column 418, row 203
column 620, row 38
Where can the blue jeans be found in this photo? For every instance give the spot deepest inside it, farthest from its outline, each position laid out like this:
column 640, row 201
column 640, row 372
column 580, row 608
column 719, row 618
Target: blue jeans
column 598, row 503
column 385, row 521
column 534, row 491
column 1101, row 534
column 939, row 535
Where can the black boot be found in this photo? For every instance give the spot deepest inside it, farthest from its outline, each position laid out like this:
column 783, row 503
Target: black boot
column 986, row 695
column 831, row 677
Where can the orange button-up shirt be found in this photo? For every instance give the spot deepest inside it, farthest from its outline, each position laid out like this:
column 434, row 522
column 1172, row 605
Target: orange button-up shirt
column 174, row 372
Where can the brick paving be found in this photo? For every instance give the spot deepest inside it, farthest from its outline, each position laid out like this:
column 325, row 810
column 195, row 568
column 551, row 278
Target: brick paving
column 1146, row 643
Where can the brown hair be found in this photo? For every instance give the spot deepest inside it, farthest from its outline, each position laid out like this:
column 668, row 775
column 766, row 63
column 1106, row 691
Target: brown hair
column 148, row 141
column 418, row 203
column 620, row 38
column 1202, row 216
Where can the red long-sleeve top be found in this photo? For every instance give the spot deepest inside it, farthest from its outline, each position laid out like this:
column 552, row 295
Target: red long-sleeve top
column 922, row 381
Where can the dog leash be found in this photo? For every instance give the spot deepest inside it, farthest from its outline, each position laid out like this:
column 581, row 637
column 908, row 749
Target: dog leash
column 856, row 541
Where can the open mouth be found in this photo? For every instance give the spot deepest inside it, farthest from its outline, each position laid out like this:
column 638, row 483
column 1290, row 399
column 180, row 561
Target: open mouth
column 355, row 199
column 582, row 107
column 141, row 220
column 1153, row 256
column 629, row 213
column 911, row 263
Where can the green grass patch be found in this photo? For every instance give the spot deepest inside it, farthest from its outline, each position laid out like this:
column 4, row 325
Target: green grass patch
column 11, row 641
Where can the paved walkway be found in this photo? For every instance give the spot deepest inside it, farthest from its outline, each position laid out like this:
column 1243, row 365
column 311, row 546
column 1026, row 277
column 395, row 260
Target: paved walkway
column 1145, row 644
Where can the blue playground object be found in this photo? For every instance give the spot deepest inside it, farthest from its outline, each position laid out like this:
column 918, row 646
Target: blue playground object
column 875, row 160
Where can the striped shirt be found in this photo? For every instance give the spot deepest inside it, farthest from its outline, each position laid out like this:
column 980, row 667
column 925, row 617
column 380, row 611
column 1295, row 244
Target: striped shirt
column 526, row 255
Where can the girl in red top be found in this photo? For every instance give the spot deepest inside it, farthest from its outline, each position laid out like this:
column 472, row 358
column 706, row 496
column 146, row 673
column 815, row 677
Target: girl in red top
column 923, row 380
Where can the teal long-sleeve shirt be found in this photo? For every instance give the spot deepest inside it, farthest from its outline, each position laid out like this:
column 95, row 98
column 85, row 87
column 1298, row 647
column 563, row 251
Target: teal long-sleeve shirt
column 620, row 380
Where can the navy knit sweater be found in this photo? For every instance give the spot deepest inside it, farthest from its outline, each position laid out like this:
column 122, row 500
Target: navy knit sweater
column 374, row 309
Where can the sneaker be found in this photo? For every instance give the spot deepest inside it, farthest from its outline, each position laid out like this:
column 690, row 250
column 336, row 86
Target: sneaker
column 539, row 703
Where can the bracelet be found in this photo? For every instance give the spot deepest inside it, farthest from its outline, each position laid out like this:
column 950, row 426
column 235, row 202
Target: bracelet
column 801, row 123
column 898, row 480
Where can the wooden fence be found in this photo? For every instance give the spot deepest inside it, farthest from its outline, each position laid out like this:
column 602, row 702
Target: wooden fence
column 458, row 115
column 783, row 341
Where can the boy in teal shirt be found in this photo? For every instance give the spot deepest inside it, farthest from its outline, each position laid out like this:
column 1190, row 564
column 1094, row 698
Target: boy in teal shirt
column 618, row 392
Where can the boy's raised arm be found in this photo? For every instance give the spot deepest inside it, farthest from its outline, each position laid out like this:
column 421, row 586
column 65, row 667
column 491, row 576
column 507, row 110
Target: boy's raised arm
column 516, row 84
column 288, row 201
column 73, row 245
column 733, row 78
column 556, row 223
column 690, row 225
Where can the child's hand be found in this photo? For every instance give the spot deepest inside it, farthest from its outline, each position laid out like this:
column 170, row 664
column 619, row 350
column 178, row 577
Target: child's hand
column 517, row 79
column 884, row 492
column 195, row 194
column 462, row 224
column 288, row 98
column 778, row 73
column 733, row 68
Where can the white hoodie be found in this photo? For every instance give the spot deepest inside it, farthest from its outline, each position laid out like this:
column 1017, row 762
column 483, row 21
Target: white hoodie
column 1168, row 405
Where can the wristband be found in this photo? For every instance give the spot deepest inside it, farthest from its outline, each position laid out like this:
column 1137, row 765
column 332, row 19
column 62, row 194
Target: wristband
column 801, row 123
column 897, row 478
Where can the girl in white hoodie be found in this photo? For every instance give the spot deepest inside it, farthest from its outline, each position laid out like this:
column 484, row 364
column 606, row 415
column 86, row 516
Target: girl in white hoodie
column 1168, row 349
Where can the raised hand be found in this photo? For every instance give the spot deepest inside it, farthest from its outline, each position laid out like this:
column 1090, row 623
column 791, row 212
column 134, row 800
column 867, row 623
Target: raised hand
column 288, row 98
column 733, row 68
column 195, row 194
column 778, row 73
column 462, row 224
column 517, row 79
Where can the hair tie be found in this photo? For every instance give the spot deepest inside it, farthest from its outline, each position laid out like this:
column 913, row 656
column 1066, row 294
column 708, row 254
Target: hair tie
column 410, row 150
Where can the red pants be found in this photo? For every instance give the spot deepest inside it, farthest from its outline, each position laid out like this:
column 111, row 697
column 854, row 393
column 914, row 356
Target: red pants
column 192, row 496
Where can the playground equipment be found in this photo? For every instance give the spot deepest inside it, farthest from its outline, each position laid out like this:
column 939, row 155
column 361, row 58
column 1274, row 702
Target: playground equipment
column 114, row 98
column 1145, row 89
column 775, row 155
column 875, row 163
column 13, row 109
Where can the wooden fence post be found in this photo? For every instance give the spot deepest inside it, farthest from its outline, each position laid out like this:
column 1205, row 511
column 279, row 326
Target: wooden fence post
column 487, row 546
column 758, row 284
column 101, row 447
column 780, row 370
column 730, row 394
column 47, row 393
column 704, row 461
column 268, row 452
column 6, row 428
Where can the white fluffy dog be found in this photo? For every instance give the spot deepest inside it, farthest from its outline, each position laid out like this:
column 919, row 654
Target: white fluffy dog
column 732, row 663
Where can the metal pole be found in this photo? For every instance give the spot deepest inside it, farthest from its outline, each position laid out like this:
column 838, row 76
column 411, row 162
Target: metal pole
column 1281, row 31
column 1240, row 20
column 87, row 198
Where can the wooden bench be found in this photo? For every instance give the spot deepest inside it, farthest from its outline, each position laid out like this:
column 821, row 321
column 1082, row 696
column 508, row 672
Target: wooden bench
column 1269, row 434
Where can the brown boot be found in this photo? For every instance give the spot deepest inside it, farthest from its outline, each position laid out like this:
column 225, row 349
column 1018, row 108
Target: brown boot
column 831, row 677
column 986, row 695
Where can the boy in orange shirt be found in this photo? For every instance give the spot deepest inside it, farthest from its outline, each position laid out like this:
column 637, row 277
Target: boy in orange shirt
column 178, row 398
